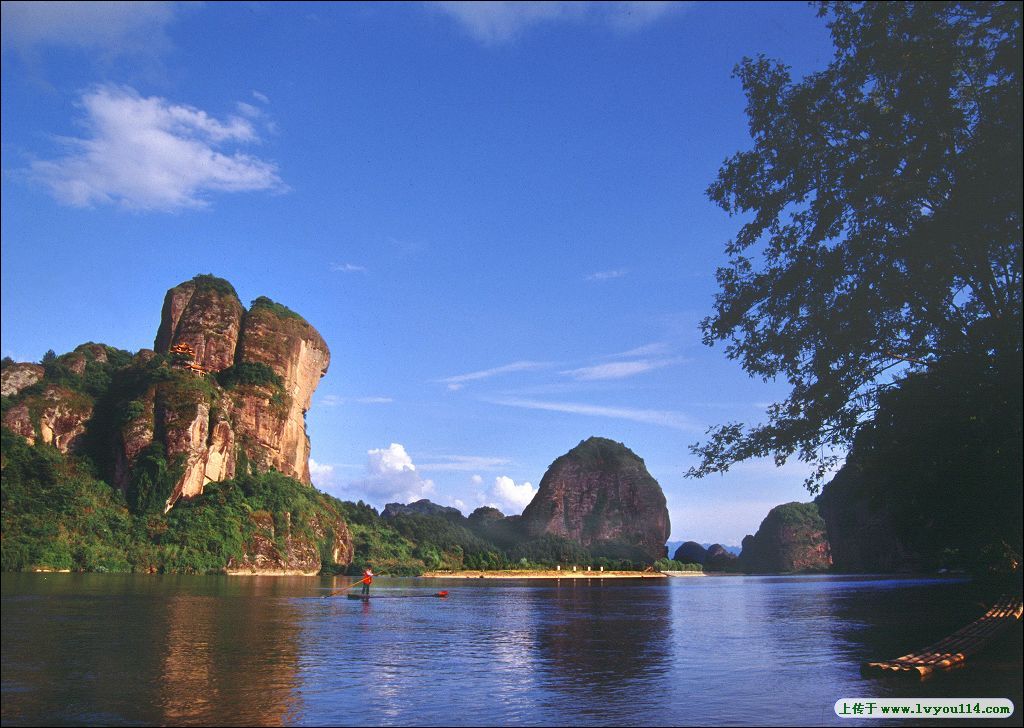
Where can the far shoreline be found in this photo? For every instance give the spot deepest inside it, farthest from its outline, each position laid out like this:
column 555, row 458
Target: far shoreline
column 543, row 574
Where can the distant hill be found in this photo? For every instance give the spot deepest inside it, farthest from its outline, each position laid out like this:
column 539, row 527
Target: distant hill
column 673, row 546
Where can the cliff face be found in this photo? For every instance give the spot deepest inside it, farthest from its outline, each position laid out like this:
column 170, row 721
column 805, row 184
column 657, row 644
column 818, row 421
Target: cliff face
column 19, row 376
column 600, row 493
column 792, row 537
column 862, row 533
column 282, row 340
column 300, row 555
column 56, row 416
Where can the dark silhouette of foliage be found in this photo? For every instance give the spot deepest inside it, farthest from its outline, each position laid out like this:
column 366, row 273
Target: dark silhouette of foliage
column 882, row 200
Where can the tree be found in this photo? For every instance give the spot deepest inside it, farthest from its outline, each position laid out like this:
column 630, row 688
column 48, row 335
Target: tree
column 882, row 199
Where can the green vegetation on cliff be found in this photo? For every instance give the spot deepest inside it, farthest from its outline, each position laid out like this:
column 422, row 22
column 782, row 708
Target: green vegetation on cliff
column 58, row 515
column 210, row 282
column 262, row 303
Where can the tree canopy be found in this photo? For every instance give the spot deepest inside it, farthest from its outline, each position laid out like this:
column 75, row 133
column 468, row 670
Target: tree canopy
column 882, row 221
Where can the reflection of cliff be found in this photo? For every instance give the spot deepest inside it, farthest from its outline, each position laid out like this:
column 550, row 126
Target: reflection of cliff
column 214, row 657
column 603, row 635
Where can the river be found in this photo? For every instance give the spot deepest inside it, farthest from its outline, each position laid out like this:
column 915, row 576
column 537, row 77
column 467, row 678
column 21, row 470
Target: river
column 219, row 650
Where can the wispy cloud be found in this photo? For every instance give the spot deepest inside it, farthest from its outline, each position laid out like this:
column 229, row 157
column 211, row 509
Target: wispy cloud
column 261, row 97
column 347, row 268
column 147, row 153
column 464, row 463
column 112, row 28
column 606, row 275
column 619, row 369
column 333, row 400
column 664, row 418
column 493, row 23
column 458, row 381
column 658, row 347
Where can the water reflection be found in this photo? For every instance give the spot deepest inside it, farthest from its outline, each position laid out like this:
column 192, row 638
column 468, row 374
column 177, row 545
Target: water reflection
column 261, row 651
column 239, row 661
column 95, row 649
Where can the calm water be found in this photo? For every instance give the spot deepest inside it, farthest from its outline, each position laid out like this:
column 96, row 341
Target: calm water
column 115, row 650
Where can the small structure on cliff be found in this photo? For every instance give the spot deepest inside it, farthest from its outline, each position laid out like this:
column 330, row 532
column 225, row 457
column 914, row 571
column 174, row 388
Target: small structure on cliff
column 184, row 356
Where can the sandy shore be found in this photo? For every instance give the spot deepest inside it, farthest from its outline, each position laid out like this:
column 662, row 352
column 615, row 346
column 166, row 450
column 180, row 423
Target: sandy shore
column 532, row 574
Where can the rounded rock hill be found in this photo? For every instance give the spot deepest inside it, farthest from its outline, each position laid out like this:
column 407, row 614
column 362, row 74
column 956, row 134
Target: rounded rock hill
column 601, row 495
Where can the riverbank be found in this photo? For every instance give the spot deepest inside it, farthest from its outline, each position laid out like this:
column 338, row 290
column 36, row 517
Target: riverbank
column 541, row 574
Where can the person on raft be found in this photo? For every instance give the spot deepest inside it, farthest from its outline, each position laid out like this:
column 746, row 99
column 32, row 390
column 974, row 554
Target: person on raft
column 367, row 580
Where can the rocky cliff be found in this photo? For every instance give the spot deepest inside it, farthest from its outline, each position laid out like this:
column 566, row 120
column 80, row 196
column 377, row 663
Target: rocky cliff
column 601, row 495
column 792, row 537
column 266, row 362
column 861, row 529
column 719, row 558
column 54, row 402
column 224, row 393
column 54, row 416
column 278, row 548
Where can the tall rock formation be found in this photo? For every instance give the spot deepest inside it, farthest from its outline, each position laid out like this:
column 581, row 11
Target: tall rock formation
column 792, row 537
column 236, row 401
column 273, row 428
column 601, row 495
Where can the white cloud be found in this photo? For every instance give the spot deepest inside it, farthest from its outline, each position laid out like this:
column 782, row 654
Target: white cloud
column 459, row 380
column 664, row 418
column 477, row 480
column 261, row 97
column 149, row 154
column 319, row 469
column 514, row 497
column 248, row 110
column 495, row 22
column 347, row 268
column 111, row 27
column 391, row 475
column 606, row 275
column 465, row 462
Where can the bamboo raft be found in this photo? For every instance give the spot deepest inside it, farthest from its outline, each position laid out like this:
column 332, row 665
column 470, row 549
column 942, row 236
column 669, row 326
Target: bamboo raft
column 955, row 649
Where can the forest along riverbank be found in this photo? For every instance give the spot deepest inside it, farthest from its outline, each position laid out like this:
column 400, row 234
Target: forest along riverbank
column 535, row 574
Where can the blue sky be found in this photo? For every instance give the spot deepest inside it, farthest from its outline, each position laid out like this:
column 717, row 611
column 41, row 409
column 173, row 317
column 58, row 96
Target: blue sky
column 493, row 212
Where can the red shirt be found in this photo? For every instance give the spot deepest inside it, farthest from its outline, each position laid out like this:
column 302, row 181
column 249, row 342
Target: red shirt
column 368, row 576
